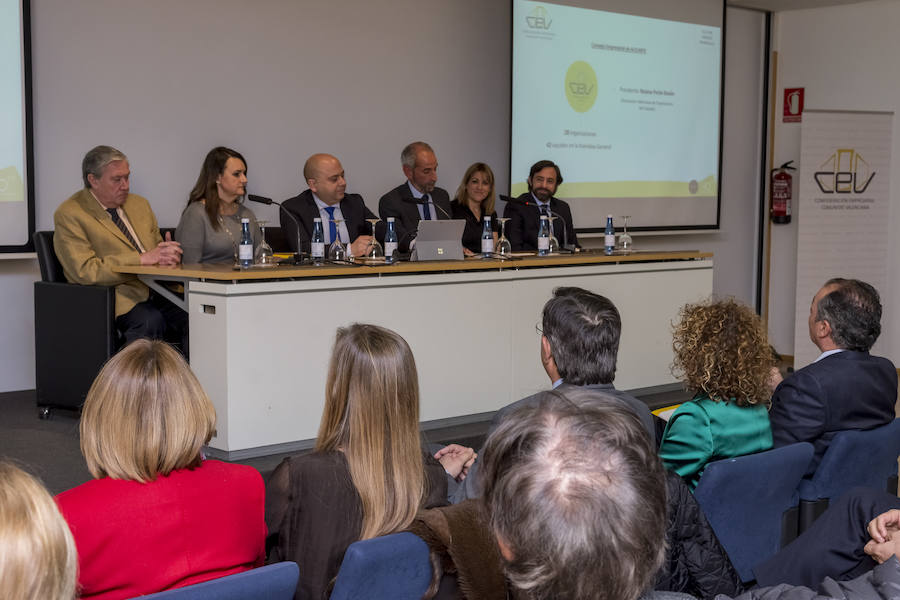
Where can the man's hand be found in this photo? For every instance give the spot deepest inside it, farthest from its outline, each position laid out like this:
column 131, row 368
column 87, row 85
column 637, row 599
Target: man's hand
column 456, row 460
column 360, row 245
column 167, row 252
column 885, row 533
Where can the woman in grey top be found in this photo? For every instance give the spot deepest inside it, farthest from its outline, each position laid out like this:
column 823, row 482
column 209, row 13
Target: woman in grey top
column 210, row 226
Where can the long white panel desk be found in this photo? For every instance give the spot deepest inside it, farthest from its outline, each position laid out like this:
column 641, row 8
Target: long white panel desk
column 261, row 339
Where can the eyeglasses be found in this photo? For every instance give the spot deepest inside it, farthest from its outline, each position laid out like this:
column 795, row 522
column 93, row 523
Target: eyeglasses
column 537, row 328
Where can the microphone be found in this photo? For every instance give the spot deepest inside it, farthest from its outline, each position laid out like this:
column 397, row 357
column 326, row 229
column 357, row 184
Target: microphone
column 269, row 202
column 426, row 203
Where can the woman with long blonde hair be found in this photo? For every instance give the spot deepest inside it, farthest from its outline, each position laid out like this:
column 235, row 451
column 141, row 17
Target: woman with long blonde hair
column 37, row 552
column 474, row 201
column 368, row 474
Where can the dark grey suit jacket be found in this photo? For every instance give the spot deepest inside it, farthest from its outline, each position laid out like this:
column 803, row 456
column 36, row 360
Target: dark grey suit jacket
column 525, row 220
column 303, row 207
column 469, row 487
column 400, row 204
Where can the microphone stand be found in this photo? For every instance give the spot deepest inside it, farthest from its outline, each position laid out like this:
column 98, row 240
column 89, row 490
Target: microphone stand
column 268, row 202
column 426, row 203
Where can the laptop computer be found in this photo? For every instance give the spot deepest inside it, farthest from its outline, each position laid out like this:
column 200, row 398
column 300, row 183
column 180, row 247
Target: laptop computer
column 440, row 239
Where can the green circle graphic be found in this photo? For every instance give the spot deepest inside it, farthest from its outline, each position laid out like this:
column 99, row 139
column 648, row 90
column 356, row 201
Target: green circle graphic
column 581, row 86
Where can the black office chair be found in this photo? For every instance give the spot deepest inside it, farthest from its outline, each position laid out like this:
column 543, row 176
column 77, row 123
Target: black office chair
column 74, row 332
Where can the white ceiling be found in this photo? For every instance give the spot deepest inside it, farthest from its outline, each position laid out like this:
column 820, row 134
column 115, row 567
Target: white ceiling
column 779, row 5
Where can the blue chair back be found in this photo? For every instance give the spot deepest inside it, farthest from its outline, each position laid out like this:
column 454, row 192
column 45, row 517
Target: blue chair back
column 390, row 567
column 855, row 458
column 271, row 582
column 745, row 498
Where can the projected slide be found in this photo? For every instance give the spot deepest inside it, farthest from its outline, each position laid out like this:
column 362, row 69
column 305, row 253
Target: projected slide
column 628, row 107
column 13, row 205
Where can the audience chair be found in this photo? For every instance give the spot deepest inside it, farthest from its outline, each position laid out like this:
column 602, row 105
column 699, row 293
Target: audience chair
column 748, row 502
column 74, row 332
column 854, row 458
column 384, row 568
column 272, row 582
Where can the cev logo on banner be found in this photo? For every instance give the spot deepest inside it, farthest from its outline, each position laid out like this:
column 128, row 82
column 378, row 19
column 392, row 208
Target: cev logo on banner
column 848, row 171
column 538, row 18
column 581, row 86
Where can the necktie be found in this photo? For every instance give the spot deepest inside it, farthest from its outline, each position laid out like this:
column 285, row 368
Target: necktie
column 543, row 208
column 332, row 228
column 426, row 208
column 114, row 215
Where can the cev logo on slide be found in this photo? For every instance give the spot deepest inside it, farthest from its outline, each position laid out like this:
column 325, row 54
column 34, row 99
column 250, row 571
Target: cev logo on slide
column 538, row 18
column 845, row 174
column 581, row 86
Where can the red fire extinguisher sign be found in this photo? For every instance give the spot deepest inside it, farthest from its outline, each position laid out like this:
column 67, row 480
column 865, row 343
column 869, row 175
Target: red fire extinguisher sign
column 780, row 192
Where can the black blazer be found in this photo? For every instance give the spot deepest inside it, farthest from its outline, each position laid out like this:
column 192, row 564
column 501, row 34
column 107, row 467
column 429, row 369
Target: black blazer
column 471, row 237
column 304, row 208
column 400, row 204
column 847, row 390
column 524, row 222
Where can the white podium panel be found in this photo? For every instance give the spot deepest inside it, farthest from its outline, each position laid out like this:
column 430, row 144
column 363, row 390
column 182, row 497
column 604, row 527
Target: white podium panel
column 261, row 349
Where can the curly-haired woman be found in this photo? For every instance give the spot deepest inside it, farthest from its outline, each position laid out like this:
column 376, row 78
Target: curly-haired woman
column 723, row 357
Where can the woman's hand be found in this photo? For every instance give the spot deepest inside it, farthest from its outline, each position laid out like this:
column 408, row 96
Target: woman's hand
column 456, row 460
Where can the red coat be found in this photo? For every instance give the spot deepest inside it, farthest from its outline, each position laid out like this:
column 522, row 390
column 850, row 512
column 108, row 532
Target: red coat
column 194, row 525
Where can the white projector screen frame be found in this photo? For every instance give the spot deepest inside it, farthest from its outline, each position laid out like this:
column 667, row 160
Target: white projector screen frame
column 559, row 48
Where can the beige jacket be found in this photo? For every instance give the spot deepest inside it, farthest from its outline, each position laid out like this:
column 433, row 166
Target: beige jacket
column 88, row 245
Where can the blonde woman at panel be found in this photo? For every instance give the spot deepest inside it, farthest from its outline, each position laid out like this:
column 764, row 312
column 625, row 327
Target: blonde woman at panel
column 369, row 473
column 474, row 201
column 37, row 552
column 157, row 515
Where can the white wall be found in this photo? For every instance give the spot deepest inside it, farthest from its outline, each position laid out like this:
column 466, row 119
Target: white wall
column 165, row 81
column 847, row 58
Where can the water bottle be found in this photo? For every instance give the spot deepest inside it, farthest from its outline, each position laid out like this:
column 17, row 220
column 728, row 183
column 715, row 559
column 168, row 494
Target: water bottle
column 487, row 237
column 317, row 245
column 609, row 237
column 245, row 248
column 390, row 241
column 544, row 236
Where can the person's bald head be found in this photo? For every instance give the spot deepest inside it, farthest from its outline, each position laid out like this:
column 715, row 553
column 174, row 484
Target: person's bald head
column 324, row 175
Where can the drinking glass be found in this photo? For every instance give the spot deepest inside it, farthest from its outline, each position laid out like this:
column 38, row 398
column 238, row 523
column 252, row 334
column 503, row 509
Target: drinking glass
column 337, row 251
column 374, row 250
column 554, row 243
column 264, row 253
column 504, row 248
column 625, row 245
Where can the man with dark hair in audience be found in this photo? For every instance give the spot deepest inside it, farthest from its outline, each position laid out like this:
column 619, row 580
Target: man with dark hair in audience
column 580, row 333
column 104, row 226
column 524, row 213
column 846, row 388
column 418, row 198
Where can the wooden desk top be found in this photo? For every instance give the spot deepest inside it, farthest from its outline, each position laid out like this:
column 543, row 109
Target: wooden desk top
column 224, row 272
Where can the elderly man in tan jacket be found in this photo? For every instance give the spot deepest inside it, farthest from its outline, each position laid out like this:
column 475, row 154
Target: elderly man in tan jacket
column 104, row 226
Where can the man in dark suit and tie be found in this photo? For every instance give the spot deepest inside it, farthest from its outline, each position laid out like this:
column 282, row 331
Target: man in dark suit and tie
column 417, row 198
column 343, row 215
column 524, row 213
column 846, row 388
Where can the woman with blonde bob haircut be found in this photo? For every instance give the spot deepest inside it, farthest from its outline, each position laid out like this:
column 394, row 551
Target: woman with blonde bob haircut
column 368, row 475
column 157, row 515
column 474, row 201
column 37, row 552
column 723, row 356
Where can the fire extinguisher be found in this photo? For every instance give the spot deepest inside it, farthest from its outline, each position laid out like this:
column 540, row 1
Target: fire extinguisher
column 780, row 191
